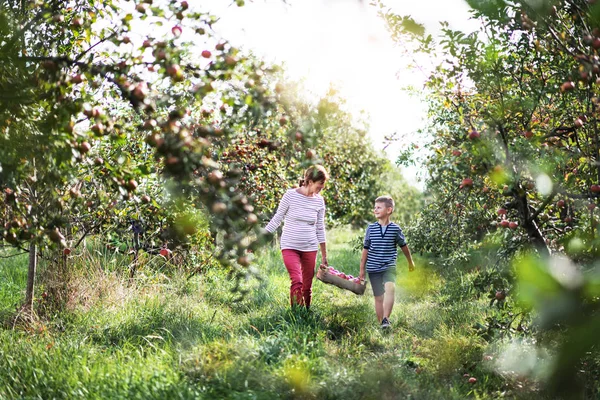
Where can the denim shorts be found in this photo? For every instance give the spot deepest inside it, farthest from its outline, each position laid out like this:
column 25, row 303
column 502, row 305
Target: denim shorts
column 379, row 279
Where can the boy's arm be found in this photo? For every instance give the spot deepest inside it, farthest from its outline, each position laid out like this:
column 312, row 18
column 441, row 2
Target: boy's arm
column 401, row 241
column 363, row 263
column 406, row 251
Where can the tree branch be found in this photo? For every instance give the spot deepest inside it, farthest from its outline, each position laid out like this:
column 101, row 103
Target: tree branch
column 542, row 207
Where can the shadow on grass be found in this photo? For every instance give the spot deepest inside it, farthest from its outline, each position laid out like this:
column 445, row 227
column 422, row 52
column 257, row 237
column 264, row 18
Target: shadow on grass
column 342, row 321
column 156, row 326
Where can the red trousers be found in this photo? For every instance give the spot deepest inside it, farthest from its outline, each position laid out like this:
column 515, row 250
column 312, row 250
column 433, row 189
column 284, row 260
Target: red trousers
column 301, row 267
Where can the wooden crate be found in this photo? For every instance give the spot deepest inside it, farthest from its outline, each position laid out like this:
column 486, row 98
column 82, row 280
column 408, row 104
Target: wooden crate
column 324, row 276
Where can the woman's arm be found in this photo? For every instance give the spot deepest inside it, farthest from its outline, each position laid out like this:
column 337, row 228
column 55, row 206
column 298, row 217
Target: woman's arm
column 323, row 253
column 274, row 223
column 321, row 237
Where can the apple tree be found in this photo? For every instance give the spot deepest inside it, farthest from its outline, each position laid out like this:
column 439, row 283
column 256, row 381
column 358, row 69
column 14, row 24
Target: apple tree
column 100, row 107
column 513, row 156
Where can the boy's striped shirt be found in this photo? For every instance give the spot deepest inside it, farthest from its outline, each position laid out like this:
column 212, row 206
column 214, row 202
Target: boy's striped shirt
column 304, row 226
column 382, row 245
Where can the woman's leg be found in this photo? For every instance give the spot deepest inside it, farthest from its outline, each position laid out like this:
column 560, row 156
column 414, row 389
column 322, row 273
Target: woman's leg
column 309, row 260
column 292, row 261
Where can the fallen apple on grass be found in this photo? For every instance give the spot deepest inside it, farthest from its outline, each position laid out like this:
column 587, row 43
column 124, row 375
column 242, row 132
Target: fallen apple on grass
column 166, row 253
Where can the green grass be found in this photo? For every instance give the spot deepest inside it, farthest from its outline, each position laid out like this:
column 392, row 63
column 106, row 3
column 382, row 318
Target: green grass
column 13, row 280
column 166, row 337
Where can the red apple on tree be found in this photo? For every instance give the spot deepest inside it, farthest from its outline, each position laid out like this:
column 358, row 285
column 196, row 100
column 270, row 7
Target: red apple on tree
column 174, row 71
column 504, row 223
column 77, row 78
column 206, row 53
column 77, row 22
column 176, row 31
column 467, row 182
column 132, row 185
column 474, row 135
column 567, row 86
column 513, row 225
column 84, row 147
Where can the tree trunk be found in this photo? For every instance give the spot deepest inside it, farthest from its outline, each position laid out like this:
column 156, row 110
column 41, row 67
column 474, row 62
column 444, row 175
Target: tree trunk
column 31, row 277
column 535, row 235
column 134, row 264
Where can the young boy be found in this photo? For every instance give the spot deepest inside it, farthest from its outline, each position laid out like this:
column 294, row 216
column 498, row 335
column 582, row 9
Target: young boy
column 379, row 258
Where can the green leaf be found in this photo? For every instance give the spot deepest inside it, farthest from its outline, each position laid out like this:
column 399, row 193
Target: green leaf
column 535, row 282
column 411, row 26
column 489, row 8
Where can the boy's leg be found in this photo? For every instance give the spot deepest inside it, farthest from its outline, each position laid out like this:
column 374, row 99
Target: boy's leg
column 388, row 299
column 379, row 307
column 389, row 283
column 376, row 280
column 309, row 260
column 292, row 261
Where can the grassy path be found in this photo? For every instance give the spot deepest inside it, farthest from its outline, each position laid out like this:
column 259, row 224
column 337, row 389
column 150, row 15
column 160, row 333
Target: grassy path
column 170, row 338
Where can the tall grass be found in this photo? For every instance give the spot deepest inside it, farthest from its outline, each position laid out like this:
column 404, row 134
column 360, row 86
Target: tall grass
column 164, row 336
column 13, row 278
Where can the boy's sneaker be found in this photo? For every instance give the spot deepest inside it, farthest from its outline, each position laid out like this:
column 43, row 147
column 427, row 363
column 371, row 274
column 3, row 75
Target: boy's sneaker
column 385, row 324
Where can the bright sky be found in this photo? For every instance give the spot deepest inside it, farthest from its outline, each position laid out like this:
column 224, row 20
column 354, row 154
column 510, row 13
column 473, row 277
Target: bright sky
column 344, row 42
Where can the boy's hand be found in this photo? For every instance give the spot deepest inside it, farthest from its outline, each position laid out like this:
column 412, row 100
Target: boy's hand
column 411, row 266
column 361, row 275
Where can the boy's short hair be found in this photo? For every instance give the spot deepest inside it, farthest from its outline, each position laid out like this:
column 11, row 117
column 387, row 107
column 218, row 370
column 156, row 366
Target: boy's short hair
column 387, row 200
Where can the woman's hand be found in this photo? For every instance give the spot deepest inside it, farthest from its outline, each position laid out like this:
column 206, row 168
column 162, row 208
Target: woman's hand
column 324, row 261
